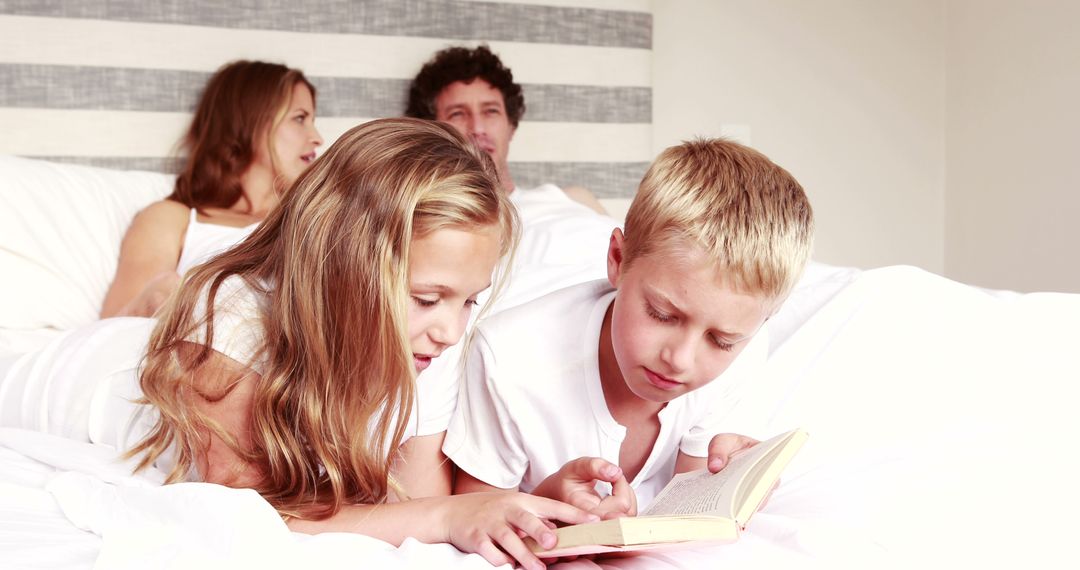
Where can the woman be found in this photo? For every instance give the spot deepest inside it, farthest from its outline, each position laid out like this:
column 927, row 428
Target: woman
column 252, row 134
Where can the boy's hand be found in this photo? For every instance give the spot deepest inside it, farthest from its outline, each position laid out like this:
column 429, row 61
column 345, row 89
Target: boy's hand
column 723, row 446
column 575, row 483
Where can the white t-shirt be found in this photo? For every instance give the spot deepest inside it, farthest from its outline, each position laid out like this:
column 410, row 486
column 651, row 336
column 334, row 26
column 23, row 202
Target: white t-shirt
column 532, row 398
column 204, row 240
column 562, row 243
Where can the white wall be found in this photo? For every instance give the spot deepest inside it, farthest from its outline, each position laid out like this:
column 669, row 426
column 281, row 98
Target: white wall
column 1013, row 150
column 848, row 95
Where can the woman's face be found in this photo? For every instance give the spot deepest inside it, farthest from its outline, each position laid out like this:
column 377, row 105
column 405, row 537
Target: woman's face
column 294, row 140
column 448, row 268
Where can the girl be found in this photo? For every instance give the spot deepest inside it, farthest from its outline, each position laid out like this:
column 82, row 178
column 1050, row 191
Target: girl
column 288, row 363
column 252, row 134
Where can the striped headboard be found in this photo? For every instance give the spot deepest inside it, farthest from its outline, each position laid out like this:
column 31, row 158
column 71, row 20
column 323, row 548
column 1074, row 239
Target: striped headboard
column 112, row 82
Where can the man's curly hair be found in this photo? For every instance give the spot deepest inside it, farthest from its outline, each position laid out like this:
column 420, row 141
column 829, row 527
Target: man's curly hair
column 463, row 64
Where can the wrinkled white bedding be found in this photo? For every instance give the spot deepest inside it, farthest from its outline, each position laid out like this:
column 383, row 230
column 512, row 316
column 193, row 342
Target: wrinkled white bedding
column 942, row 426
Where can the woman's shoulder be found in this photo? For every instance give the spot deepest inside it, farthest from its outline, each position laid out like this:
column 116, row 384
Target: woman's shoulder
column 164, row 212
column 157, row 230
column 166, row 207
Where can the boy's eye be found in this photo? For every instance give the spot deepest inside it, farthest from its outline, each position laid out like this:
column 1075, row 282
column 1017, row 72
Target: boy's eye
column 657, row 315
column 424, row 302
column 719, row 342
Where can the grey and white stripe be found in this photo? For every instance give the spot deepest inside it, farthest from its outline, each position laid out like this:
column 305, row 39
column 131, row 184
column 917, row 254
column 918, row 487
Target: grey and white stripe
column 606, row 179
column 112, row 82
column 423, row 18
column 129, row 89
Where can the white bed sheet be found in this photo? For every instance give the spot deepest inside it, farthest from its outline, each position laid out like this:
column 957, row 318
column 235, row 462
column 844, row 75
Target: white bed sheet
column 942, row 425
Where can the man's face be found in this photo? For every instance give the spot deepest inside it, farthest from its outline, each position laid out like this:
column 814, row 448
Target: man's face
column 478, row 111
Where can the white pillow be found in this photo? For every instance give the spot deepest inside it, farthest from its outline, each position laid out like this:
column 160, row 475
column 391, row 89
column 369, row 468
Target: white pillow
column 60, row 231
column 818, row 285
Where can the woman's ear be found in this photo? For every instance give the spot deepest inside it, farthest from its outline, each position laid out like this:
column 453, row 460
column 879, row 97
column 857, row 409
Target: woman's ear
column 615, row 257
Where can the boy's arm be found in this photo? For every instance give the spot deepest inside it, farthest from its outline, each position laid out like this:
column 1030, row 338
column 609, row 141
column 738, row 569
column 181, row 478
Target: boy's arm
column 483, row 438
column 575, row 483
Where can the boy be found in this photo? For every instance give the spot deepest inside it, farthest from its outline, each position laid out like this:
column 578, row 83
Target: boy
column 614, row 380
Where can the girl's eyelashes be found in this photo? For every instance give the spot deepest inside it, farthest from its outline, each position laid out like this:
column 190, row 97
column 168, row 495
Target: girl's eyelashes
column 424, row 302
column 427, row 303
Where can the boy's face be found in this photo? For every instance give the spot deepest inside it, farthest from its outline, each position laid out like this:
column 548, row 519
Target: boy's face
column 675, row 324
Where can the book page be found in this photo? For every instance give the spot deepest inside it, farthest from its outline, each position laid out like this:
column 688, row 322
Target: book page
column 700, row 492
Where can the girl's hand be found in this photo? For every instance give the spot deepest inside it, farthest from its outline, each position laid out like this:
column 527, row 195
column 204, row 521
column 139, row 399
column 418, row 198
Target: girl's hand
column 489, row 524
column 575, row 483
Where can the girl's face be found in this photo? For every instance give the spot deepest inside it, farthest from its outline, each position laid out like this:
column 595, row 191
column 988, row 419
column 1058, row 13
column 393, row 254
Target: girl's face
column 294, row 140
column 448, row 268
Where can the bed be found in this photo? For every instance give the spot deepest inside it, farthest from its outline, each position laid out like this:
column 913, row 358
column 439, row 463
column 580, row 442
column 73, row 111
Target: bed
column 941, row 418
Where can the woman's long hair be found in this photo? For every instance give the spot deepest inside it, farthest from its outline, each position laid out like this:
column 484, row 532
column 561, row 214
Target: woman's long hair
column 337, row 384
column 241, row 106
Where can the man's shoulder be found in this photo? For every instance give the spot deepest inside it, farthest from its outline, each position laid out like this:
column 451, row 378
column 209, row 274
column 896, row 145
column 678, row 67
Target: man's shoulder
column 548, row 197
column 559, row 312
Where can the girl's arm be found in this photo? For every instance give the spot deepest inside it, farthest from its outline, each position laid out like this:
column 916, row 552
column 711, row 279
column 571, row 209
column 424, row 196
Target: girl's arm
column 146, row 273
column 487, row 524
column 421, row 468
column 227, row 389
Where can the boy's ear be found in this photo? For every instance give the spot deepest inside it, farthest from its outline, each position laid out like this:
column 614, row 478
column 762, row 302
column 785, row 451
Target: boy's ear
column 615, row 257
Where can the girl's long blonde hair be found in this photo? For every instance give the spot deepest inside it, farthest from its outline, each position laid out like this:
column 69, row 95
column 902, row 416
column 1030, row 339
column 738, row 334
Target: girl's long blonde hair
column 337, row 386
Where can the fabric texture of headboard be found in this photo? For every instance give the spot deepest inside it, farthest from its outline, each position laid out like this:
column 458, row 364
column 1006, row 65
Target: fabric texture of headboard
column 112, row 82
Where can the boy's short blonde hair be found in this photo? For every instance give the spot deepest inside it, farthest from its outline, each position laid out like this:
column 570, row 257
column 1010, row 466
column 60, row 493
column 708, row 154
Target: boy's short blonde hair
column 746, row 213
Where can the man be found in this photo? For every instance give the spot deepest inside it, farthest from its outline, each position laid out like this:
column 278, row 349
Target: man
column 562, row 231
column 472, row 90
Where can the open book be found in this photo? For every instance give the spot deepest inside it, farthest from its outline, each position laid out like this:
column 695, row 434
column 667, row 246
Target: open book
column 695, row 507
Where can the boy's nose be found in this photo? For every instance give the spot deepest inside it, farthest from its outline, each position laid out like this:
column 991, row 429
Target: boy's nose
column 678, row 354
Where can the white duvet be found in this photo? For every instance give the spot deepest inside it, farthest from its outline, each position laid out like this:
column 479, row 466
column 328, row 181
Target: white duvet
column 942, row 430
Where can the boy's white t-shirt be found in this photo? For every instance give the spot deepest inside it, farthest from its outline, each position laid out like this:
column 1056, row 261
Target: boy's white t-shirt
column 532, row 399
